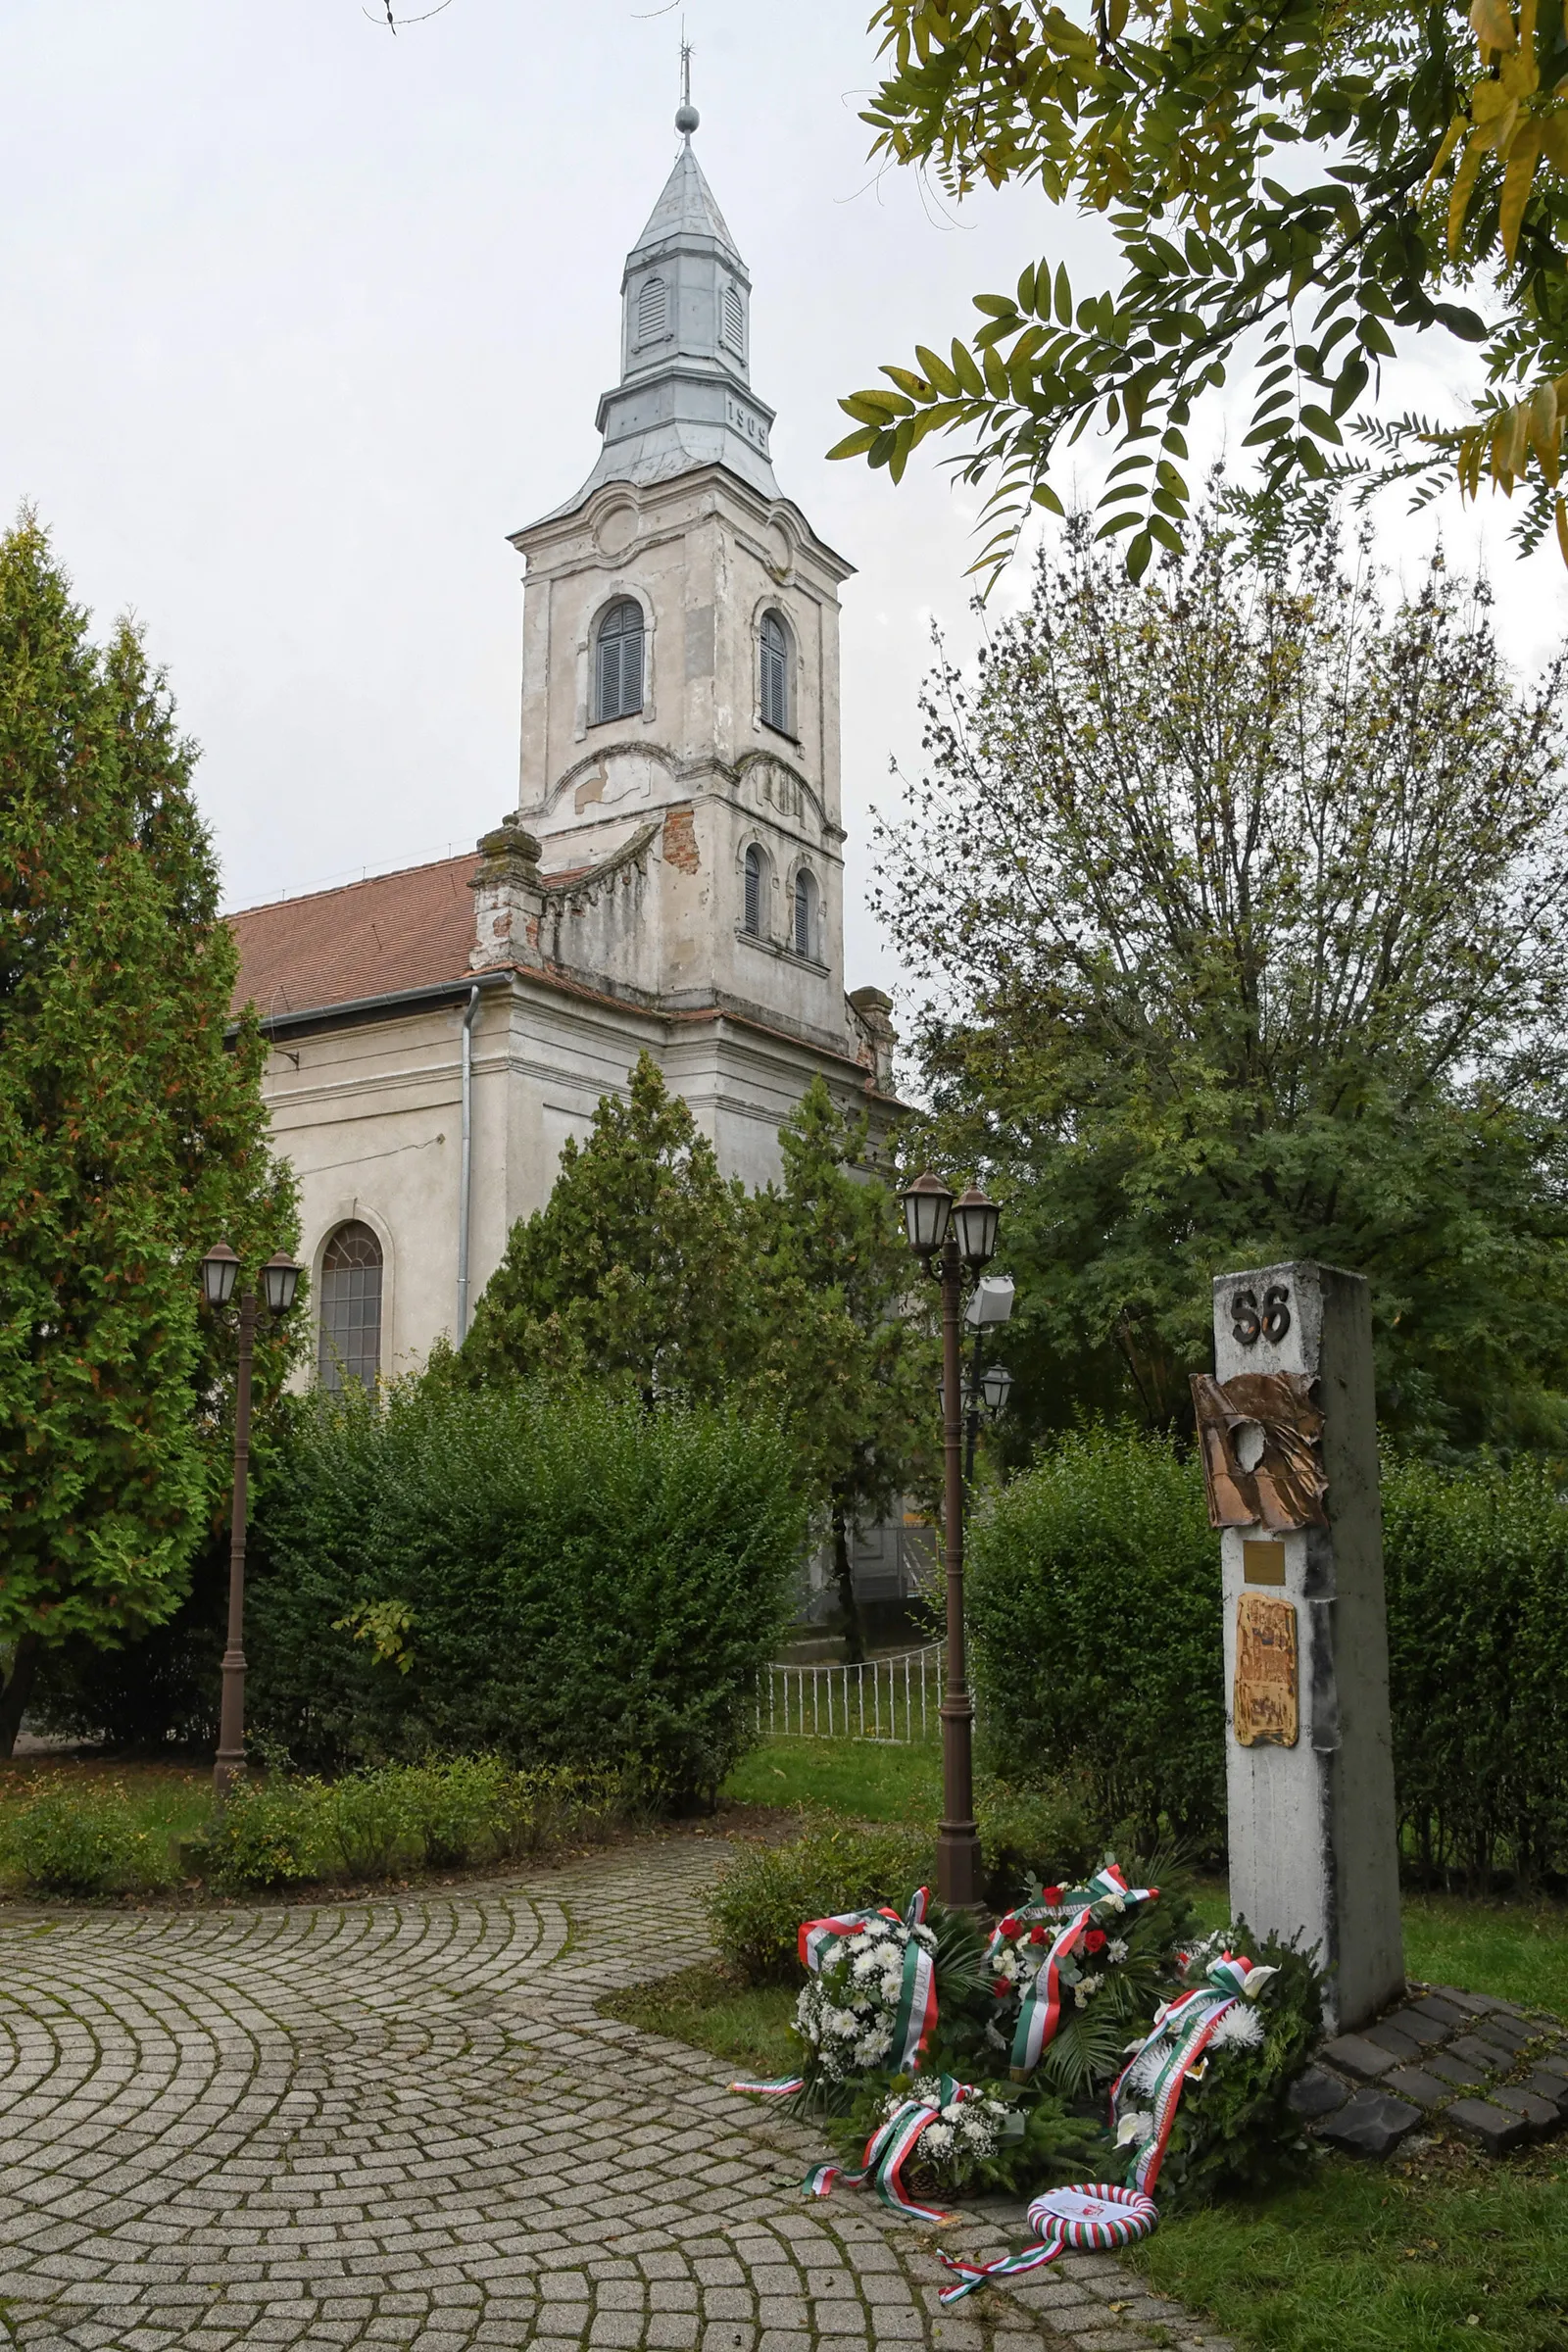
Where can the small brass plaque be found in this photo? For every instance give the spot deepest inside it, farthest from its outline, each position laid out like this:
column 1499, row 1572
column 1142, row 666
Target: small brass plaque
column 1263, row 1563
column 1265, row 1698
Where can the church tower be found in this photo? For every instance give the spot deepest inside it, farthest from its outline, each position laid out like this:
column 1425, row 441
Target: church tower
column 680, row 699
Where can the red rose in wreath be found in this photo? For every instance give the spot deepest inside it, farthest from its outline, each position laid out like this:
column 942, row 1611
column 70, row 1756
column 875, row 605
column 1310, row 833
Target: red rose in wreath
column 1037, row 1935
column 1095, row 1941
column 1050, row 1897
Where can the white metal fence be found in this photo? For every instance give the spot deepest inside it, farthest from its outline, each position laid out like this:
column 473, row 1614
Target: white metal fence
column 885, row 1698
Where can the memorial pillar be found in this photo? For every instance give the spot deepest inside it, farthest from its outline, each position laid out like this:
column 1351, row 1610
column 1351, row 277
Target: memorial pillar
column 1288, row 1430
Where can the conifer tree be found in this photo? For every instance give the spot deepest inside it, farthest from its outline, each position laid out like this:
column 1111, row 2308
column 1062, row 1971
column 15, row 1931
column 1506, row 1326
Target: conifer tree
column 633, row 1268
column 130, row 1139
column 844, row 1341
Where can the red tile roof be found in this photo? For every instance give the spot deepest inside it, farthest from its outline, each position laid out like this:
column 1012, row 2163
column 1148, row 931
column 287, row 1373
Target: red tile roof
column 367, row 939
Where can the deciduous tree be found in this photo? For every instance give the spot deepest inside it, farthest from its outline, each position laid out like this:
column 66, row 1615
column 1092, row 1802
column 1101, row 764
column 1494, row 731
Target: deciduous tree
column 1242, row 897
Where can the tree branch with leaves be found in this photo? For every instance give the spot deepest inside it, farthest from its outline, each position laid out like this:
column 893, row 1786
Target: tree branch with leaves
column 1174, row 121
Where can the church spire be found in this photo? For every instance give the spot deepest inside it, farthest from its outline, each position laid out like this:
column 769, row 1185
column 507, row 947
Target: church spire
column 684, row 398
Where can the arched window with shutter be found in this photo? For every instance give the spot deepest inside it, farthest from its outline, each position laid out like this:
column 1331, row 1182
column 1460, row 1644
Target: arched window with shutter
column 351, row 1309
column 618, row 662
column 775, row 659
column 752, row 911
column 652, row 310
column 804, row 913
column 734, row 328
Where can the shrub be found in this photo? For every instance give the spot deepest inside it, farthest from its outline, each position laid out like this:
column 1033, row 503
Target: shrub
column 560, row 1577
column 1476, row 1572
column 88, row 1841
column 1093, row 1615
column 268, row 1834
column 757, row 1907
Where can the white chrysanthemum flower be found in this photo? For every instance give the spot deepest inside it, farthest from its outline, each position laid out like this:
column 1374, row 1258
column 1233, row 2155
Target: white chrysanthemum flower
column 1116, row 1903
column 1239, row 2029
column 1143, row 2073
column 867, row 1963
column 1084, row 1990
column 1116, row 1950
column 937, row 2139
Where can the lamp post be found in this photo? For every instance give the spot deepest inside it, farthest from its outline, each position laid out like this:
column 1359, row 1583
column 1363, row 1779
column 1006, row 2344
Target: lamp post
column 279, row 1280
column 951, row 1236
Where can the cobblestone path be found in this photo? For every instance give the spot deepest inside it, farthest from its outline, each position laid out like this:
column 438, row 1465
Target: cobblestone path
column 401, row 2123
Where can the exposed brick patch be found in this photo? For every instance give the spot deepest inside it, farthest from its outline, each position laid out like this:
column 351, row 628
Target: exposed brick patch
column 679, row 846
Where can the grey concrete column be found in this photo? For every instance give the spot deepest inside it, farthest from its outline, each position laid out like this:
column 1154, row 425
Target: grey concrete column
column 1288, row 1431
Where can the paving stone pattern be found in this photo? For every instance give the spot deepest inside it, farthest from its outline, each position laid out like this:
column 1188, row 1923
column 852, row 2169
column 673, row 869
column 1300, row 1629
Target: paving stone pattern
column 1498, row 2073
column 402, row 2122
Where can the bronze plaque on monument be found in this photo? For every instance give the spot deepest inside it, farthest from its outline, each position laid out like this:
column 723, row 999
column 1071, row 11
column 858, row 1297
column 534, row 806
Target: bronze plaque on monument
column 1266, row 1712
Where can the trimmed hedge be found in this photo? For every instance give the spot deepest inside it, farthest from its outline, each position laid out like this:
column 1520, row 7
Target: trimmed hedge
column 1095, row 1628
column 1477, row 1569
column 556, row 1576
column 1094, row 1617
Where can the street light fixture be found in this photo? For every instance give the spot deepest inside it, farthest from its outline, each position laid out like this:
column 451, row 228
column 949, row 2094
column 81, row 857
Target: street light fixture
column 279, row 1281
column 218, row 1269
column 927, row 1205
column 948, row 1237
column 995, row 1385
column 976, row 1219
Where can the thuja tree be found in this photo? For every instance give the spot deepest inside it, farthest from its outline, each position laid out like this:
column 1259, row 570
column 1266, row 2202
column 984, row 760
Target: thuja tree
column 843, row 1338
column 1242, row 895
column 634, row 1268
column 130, row 1140
column 646, row 1270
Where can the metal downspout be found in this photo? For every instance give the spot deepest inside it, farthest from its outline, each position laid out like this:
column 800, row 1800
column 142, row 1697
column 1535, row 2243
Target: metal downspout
column 466, row 1177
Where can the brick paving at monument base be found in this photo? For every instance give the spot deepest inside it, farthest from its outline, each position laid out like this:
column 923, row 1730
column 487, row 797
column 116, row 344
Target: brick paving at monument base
column 402, row 2122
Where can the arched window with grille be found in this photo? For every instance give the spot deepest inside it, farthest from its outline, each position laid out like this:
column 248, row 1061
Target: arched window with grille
column 775, row 658
column 351, row 1309
column 652, row 310
column 803, row 913
column 618, row 662
column 752, row 911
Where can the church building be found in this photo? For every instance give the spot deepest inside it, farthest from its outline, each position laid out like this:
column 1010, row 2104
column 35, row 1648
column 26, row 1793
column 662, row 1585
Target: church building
column 671, row 880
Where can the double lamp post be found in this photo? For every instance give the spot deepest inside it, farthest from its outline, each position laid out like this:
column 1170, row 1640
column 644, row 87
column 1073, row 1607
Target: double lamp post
column 953, row 1239
column 279, row 1281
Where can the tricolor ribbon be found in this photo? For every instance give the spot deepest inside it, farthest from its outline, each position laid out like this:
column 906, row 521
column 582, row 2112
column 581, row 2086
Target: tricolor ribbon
column 889, row 2149
column 1039, row 2009
column 917, row 2015
column 1090, row 2219
column 1189, row 2023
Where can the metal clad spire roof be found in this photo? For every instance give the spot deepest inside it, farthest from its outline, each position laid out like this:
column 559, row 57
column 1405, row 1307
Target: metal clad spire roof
column 684, row 398
column 687, row 208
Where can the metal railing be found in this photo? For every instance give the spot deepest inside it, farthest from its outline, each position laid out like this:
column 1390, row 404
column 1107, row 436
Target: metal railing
column 884, row 1698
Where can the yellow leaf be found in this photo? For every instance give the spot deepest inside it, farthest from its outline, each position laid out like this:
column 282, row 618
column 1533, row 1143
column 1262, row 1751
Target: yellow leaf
column 1489, row 103
column 1516, row 182
column 1450, row 140
column 1491, row 22
column 1520, row 74
column 1562, row 529
column 1554, row 140
column 1464, row 180
column 1545, row 431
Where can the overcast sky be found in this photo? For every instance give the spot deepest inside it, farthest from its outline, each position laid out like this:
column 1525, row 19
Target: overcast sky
column 301, row 319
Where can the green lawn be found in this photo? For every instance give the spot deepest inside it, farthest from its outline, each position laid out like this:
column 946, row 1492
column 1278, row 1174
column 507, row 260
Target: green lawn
column 1440, row 2250
column 871, row 1779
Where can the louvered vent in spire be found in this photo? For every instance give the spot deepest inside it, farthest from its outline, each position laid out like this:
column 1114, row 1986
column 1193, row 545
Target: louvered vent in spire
column 650, row 311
